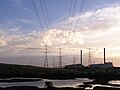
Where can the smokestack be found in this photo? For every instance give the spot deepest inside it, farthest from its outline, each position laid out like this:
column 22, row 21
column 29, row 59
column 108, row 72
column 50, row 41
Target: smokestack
column 81, row 57
column 104, row 55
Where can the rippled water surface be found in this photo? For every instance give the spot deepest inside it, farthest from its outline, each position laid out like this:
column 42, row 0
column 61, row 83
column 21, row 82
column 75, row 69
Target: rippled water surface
column 41, row 84
column 115, row 82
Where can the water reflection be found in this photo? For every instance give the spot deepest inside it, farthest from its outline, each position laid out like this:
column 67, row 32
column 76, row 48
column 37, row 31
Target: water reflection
column 115, row 82
column 41, row 84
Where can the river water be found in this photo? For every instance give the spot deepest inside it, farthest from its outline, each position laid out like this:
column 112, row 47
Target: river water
column 117, row 82
column 57, row 83
column 41, row 84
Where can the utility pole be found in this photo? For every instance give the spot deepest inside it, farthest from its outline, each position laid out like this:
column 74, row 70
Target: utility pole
column 31, row 62
column 104, row 56
column 89, row 56
column 53, row 62
column 74, row 60
column 81, row 57
column 46, row 57
column 60, row 58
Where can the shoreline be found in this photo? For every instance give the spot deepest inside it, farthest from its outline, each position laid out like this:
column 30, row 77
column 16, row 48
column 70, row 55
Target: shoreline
column 36, row 88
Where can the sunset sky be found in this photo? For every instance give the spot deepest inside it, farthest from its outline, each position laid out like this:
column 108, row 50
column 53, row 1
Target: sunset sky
column 26, row 26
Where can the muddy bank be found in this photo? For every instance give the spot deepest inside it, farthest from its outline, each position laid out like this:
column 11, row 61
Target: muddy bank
column 36, row 88
column 105, row 88
column 21, row 80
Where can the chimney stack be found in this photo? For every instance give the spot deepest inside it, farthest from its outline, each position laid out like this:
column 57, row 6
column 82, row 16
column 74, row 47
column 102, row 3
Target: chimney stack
column 81, row 57
column 104, row 55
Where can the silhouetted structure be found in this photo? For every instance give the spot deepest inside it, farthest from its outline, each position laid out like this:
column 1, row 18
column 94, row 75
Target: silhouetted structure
column 105, row 65
column 89, row 56
column 81, row 56
column 76, row 66
column 74, row 60
column 46, row 57
column 104, row 56
column 53, row 62
column 60, row 58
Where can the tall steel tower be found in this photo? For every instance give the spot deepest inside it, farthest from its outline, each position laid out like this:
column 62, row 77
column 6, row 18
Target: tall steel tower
column 53, row 62
column 60, row 58
column 46, row 57
column 89, row 56
column 74, row 61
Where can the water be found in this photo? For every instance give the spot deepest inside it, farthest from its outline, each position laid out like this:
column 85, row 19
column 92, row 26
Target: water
column 114, row 83
column 57, row 83
column 117, row 82
column 41, row 84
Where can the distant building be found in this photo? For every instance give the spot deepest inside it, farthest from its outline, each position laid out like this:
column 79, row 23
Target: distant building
column 106, row 65
column 74, row 66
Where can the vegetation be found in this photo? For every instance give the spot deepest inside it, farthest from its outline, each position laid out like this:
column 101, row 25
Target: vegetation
column 26, row 71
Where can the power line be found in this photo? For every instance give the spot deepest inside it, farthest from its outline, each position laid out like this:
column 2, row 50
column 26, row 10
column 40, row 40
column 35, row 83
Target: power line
column 65, row 6
column 72, row 14
column 44, row 15
column 37, row 13
column 80, row 11
column 8, row 17
column 6, row 28
column 50, row 13
column 68, row 25
column 11, row 20
column 47, row 15
column 6, row 13
column 16, row 14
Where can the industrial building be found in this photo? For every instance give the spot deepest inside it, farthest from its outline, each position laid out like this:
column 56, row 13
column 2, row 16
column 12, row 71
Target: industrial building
column 76, row 66
column 104, row 65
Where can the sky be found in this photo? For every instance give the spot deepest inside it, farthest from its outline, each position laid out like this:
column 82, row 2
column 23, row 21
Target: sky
column 26, row 26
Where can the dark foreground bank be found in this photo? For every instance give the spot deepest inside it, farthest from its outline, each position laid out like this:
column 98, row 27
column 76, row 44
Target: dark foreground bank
column 64, row 88
column 27, row 71
column 105, row 88
column 20, row 80
column 36, row 88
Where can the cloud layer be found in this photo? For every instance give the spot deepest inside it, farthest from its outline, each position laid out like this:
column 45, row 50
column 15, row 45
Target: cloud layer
column 92, row 28
column 96, row 29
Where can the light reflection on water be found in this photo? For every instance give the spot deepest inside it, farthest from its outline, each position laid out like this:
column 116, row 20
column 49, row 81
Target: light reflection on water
column 41, row 84
column 57, row 83
column 94, row 85
column 115, row 82
column 112, row 82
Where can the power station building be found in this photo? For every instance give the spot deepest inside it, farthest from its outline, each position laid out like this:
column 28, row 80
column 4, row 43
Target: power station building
column 105, row 65
column 76, row 66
